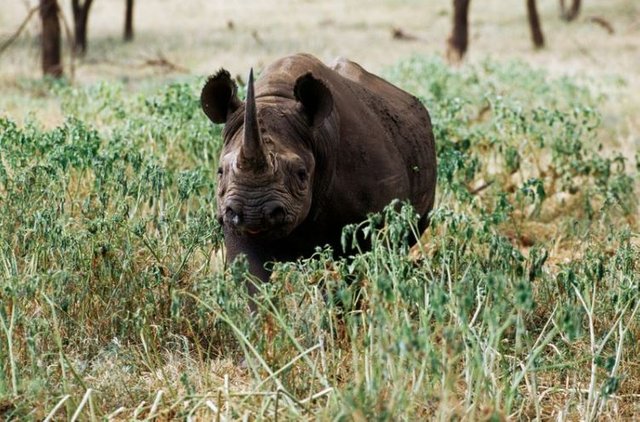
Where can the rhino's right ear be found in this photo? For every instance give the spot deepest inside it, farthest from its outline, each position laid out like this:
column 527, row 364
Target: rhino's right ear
column 219, row 97
column 314, row 96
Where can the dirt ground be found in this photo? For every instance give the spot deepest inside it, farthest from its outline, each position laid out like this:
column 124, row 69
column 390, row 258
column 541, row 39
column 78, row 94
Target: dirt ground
column 199, row 36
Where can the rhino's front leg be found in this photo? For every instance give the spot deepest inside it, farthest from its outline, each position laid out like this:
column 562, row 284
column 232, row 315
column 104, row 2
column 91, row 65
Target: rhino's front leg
column 256, row 254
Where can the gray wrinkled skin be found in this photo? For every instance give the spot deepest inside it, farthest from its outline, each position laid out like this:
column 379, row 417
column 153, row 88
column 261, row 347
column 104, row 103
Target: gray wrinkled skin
column 314, row 148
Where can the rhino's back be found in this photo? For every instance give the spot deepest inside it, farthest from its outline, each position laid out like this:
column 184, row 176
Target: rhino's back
column 396, row 97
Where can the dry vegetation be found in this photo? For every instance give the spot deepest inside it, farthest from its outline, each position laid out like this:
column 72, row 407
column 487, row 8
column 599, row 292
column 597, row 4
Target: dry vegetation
column 197, row 36
column 523, row 301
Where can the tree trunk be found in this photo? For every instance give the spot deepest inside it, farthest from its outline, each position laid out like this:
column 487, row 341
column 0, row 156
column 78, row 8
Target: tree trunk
column 128, row 21
column 534, row 24
column 80, row 18
column 571, row 13
column 459, row 39
column 51, row 40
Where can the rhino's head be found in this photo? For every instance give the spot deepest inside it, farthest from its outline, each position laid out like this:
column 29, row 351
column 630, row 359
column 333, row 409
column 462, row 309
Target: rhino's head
column 267, row 166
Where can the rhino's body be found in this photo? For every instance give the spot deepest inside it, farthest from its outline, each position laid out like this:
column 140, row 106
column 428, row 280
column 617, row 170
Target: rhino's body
column 362, row 141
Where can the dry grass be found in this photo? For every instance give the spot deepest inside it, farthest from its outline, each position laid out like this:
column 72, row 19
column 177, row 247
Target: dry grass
column 196, row 35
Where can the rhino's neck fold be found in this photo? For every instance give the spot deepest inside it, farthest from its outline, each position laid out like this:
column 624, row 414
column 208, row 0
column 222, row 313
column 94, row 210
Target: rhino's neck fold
column 252, row 154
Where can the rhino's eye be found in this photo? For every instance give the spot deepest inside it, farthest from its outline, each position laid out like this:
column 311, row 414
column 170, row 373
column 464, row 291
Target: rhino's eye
column 302, row 175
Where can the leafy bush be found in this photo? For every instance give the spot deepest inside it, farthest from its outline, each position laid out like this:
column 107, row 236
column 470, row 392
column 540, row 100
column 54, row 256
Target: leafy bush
column 113, row 289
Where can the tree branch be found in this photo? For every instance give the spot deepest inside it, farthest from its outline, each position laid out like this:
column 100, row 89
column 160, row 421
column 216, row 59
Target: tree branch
column 16, row 34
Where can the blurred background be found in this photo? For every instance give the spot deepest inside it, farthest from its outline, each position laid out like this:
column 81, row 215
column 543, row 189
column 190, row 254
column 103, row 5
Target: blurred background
column 172, row 38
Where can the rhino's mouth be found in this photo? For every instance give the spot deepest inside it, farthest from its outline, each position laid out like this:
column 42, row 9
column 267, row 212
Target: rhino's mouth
column 261, row 231
column 267, row 233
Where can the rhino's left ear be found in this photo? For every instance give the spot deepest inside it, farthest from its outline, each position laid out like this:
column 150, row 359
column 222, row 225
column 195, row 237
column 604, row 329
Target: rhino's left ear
column 219, row 97
column 315, row 98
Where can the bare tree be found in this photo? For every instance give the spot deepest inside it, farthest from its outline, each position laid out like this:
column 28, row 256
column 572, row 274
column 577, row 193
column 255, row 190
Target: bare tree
column 128, row 21
column 458, row 41
column 534, row 23
column 51, row 39
column 80, row 18
column 572, row 12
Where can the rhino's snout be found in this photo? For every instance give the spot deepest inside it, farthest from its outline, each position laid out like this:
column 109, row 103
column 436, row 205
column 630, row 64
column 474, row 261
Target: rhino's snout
column 233, row 213
column 253, row 221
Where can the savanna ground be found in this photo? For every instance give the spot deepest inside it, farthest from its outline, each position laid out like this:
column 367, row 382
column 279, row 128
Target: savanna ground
column 522, row 300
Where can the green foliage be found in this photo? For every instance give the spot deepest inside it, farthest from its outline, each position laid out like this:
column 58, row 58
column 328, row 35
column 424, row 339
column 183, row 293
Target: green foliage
column 109, row 249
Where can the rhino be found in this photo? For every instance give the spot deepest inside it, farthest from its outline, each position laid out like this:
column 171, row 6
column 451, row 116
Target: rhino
column 312, row 149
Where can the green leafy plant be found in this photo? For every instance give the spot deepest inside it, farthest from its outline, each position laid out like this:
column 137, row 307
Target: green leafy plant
column 520, row 299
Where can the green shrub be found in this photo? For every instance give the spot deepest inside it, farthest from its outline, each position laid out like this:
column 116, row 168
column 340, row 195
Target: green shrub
column 110, row 255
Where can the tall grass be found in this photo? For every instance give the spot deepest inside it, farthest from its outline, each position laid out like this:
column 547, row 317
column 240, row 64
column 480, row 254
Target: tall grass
column 521, row 300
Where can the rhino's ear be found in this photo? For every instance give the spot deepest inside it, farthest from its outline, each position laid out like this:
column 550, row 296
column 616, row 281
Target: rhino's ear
column 219, row 97
column 315, row 98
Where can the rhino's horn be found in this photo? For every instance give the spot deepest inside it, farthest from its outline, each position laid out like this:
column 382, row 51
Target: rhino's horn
column 252, row 153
